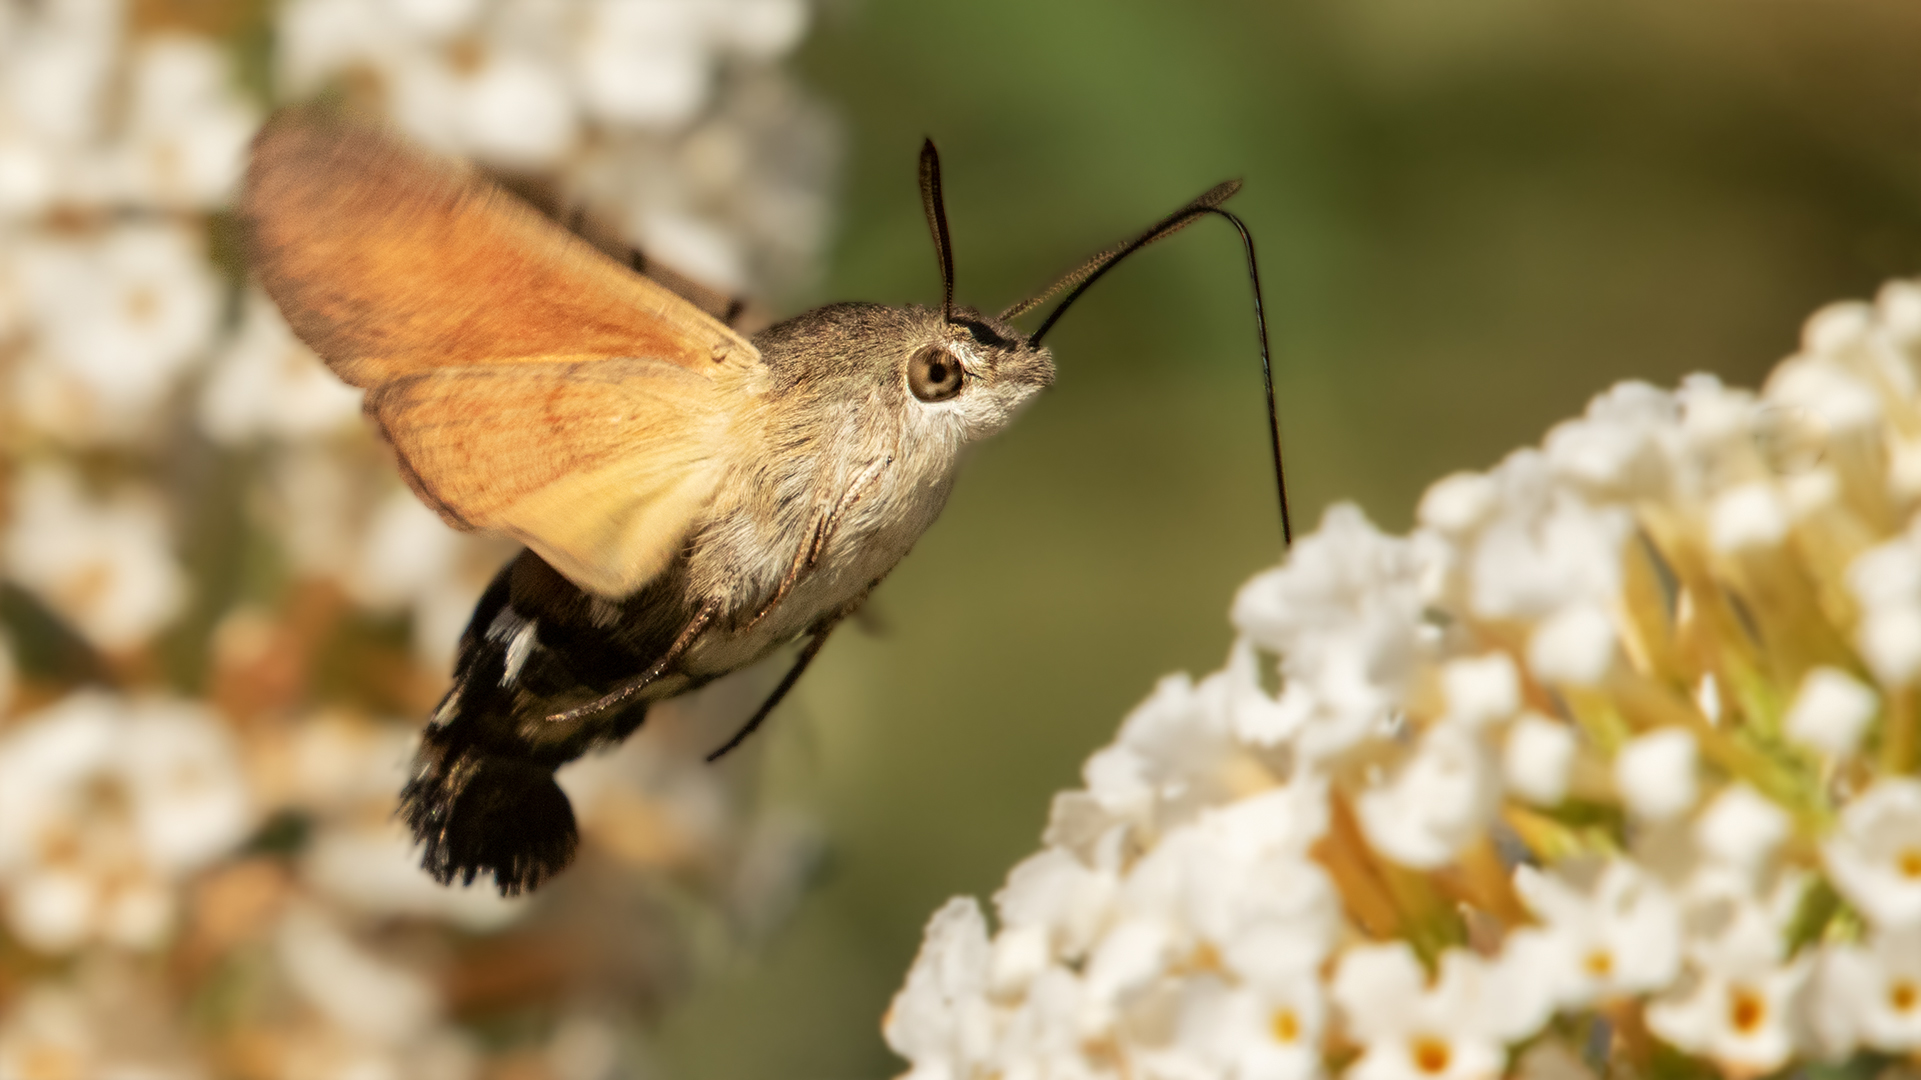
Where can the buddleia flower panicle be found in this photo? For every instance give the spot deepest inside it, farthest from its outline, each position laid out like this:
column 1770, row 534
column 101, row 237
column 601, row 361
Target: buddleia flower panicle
column 1606, row 768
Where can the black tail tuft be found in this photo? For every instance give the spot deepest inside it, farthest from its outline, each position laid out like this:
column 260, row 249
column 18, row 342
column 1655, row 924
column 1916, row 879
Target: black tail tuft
column 479, row 813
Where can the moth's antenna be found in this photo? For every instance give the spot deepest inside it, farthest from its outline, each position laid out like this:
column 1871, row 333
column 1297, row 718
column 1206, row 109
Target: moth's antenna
column 1085, row 275
column 930, row 198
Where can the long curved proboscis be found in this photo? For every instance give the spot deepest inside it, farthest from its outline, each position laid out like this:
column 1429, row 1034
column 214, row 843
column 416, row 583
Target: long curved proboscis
column 931, row 201
column 1085, row 275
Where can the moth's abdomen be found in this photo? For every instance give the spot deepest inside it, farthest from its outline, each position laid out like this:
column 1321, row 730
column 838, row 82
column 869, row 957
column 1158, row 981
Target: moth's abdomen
column 482, row 799
column 480, row 813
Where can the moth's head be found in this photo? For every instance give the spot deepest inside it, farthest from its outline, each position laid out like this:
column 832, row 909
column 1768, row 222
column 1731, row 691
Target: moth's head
column 949, row 375
column 950, row 378
column 959, row 347
column 967, row 370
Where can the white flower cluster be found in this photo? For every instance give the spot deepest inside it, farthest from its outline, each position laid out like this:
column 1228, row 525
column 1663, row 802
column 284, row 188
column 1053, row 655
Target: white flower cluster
column 215, row 594
column 1606, row 767
column 104, row 805
column 665, row 113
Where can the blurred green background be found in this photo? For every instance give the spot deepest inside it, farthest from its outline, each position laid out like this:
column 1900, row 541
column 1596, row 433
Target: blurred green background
column 1472, row 215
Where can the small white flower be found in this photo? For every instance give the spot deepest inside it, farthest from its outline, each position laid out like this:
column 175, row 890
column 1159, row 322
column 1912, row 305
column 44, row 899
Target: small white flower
column 363, row 993
column 1537, row 758
column 117, row 319
column 1615, row 447
column 1656, row 774
column 58, row 1028
column 1042, row 1035
column 1054, row 892
column 1827, row 390
column 1344, row 614
column 503, row 107
column 268, row 383
column 1547, row 550
column 517, row 113
column 1619, row 936
column 1743, row 1020
column 1741, row 827
column 644, row 63
column 1458, row 503
column 941, row 1019
column 54, row 75
column 189, row 127
column 1172, row 755
column 104, row 565
column 183, row 775
column 1887, row 574
column 1874, row 857
column 410, row 558
column 1134, row 953
column 1871, row 995
column 1440, row 800
column 1237, row 1031
column 1889, row 637
column 1748, row 516
column 1886, row 580
column 1238, row 881
column 1831, row 711
column 1453, row 1030
column 1575, row 646
column 103, row 804
column 761, row 29
column 1482, row 689
column 319, row 38
column 436, row 18
column 1021, row 955
column 699, row 246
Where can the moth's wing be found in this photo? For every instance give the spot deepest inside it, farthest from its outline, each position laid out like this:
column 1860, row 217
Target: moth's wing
column 600, row 467
column 529, row 384
column 389, row 262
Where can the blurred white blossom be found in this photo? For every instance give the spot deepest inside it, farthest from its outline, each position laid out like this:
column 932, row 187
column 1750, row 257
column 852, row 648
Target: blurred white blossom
column 105, row 803
column 107, row 565
column 265, row 383
column 116, row 320
column 187, row 127
column 1874, row 857
column 194, row 504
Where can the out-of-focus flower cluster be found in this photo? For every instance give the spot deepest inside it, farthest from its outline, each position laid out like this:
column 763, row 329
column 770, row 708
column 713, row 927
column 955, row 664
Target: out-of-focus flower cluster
column 1607, row 770
column 221, row 615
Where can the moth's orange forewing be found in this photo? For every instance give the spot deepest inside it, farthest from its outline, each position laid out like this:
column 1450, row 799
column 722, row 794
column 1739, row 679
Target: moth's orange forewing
column 529, row 384
column 386, row 261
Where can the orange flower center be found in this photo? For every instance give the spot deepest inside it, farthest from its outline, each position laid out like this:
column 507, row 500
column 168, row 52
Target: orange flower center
column 1431, row 1055
column 1599, row 963
column 1909, row 862
column 1902, row 995
column 1285, row 1025
column 1747, row 1010
column 142, row 304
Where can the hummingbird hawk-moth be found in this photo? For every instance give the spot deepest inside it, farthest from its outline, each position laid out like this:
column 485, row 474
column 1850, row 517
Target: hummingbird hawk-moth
column 690, row 499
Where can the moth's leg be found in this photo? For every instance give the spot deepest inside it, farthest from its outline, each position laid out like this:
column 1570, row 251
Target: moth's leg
column 808, row 557
column 626, row 690
column 806, row 657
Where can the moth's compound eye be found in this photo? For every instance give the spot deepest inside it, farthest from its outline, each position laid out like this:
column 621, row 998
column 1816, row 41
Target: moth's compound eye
column 934, row 374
